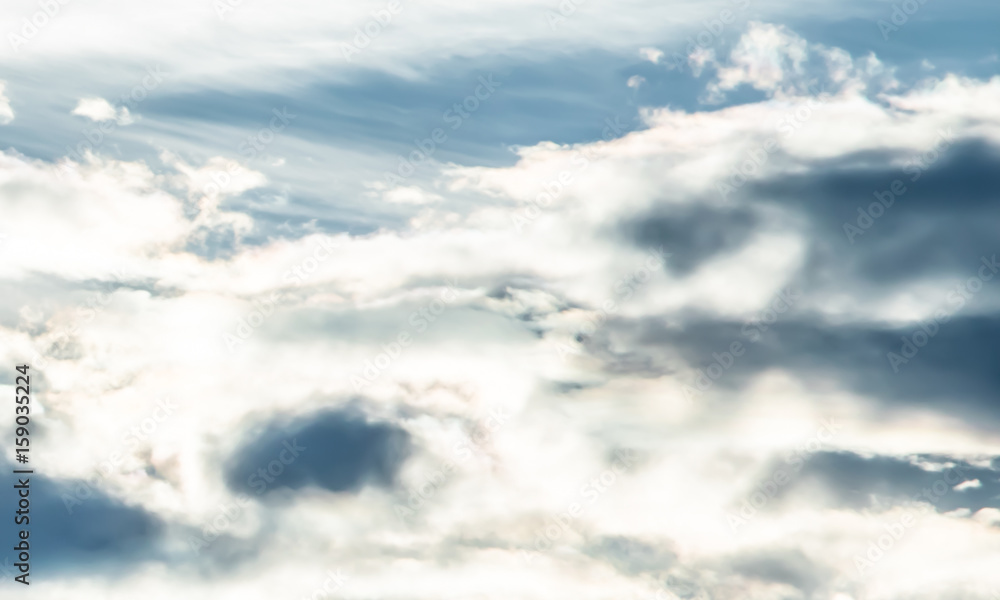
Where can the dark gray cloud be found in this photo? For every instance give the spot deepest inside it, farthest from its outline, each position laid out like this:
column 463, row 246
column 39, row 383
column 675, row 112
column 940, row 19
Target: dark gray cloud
column 790, row 567
column 954, row 372
column 942, row 226
column 339, row 451
column 943, row 222
column 76, row 526
column 692, row 234
column 965, row 173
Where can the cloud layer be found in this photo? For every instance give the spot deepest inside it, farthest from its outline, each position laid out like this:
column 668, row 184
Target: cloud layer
column 736, row 349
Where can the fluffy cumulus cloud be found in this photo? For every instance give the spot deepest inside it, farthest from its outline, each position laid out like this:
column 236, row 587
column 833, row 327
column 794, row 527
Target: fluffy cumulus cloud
column 742, row 346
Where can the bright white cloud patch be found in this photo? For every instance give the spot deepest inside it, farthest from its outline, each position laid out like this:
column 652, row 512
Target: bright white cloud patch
column 650, row 366
column 653, row 55
column 99, row 109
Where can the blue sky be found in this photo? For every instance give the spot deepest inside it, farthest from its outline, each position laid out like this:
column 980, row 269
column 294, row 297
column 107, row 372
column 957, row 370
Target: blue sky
column 516, row 299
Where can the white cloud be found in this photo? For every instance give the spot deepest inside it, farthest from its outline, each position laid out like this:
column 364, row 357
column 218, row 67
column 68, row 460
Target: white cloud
column 765, row 57
column 653, row 55
column 700, row 58
column 311, row 34
column 774, row 59
column 6, row 112
column 99, row 109
column 969, row 485
column 522, row 296
column 411, row 195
